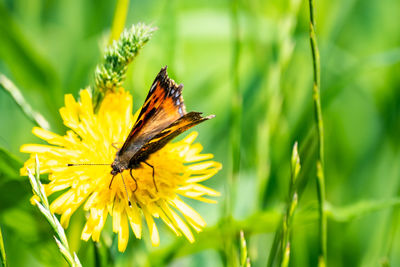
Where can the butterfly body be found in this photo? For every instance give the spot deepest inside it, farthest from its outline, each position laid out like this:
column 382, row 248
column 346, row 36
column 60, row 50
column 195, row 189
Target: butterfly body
column 162, row 117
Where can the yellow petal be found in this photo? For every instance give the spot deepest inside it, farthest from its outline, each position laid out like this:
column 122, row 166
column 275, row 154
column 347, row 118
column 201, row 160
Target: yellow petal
column 190, row 138
column 200, row 167
column 190, row 214
column 195, row 190
column 167, row 221
column 135, row 220
column 201, row 178
column 178, row 222
column 50, row 137
column 86, row 103
column 155, row 238
column 100, row 217
column 116, row 216
column 64, row 220
column 86, row 232
column 123, row 233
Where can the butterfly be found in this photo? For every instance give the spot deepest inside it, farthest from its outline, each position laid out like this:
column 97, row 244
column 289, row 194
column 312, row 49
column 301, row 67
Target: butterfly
column 162, row 117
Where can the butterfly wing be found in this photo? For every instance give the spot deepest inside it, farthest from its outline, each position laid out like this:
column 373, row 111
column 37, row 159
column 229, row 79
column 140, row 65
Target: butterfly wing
column 163, row 106
column 161, row 139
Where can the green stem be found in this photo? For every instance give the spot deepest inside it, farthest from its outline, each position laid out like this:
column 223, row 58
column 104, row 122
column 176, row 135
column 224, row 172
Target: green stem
column 320, row 133
column 44, row 207
column 283, row 234
column 244, row 258
column 270, row 97
column 392, row 234
column 236, row 104
column 121, row 11
column 2, row 251
column 230, row 253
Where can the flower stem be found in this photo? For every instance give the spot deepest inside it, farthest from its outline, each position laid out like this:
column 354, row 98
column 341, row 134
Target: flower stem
column 320, row 133
column 2, row 251
column 121, row 11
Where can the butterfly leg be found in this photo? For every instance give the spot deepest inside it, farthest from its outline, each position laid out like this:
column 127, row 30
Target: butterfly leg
column 130, row 171
column 114, row 145
column 112, row 179
column 154, row 180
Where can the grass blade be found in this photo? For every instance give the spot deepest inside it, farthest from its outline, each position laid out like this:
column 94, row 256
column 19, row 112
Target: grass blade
column 121, row 11
column 244, row 257
column 2, row 251
column 43, row 206
column 320, row 133
column 17, row 96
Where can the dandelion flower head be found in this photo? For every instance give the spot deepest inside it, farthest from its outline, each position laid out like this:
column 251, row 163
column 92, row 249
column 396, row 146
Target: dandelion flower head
column 179, row 169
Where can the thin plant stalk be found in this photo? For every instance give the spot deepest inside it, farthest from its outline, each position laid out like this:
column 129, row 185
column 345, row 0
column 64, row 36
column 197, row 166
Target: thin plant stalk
column 20, row 100
column 320, row 133
column 271, row 96
column 244, row 255
column 118, row 24
column 392, row 236
column 42, row 203
column 282, row 235
column 230, row 252
column 2, row 251
column 236, row 96
column 286, row 229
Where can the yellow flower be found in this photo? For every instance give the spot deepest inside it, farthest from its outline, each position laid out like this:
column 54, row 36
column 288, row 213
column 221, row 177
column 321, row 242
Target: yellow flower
column 179, row 168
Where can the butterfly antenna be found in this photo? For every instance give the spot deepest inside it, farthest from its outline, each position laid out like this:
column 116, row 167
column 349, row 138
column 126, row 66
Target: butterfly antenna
column 126, row 191
column 87, row 164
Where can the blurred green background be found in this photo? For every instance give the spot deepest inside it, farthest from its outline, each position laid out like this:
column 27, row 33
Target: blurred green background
column 261, row 48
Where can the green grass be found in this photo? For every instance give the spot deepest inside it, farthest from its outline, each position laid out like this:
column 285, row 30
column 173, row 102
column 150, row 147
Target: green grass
column 250, row 63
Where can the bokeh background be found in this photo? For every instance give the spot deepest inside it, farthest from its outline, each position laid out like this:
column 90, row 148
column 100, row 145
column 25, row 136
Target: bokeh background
column 257, row 50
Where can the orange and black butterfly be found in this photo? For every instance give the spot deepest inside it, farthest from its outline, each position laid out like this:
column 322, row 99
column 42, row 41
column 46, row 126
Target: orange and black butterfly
column 162, row 117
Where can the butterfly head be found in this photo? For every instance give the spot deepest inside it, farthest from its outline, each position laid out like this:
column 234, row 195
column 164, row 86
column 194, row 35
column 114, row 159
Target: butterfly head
column 117, row 167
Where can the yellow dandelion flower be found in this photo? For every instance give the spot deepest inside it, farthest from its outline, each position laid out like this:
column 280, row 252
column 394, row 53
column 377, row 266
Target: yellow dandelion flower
column 179, row 167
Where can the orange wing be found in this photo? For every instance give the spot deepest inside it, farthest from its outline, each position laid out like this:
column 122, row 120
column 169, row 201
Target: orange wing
column 163, row 106
column 160, row 140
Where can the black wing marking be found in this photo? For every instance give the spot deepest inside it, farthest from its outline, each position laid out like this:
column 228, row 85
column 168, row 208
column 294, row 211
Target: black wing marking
column 160, row 140
column 163, row 105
